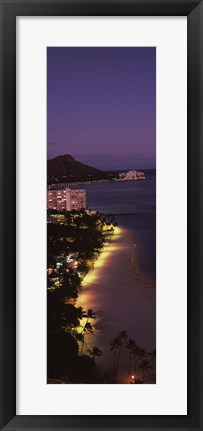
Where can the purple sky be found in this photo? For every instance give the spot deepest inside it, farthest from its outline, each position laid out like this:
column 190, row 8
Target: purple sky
column 102, row 106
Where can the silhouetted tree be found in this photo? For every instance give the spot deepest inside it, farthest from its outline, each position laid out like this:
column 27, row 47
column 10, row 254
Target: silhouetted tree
column 94, row 352
column 131, row 346
column 145, row 367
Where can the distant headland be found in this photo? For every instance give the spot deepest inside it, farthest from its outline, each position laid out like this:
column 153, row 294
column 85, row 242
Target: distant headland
column 67, row 170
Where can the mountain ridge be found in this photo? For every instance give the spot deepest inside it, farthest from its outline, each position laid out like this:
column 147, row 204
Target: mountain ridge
column 67, row 166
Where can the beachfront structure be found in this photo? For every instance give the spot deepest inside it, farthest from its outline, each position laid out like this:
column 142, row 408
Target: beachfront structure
column 56, row 199
column 131, row 175
column 75, row 199
column 66, row 199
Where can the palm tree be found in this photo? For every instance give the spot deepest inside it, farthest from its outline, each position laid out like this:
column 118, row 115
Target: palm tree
column 90, row 315
column 123, row 335
column 82, row 313
column 145, row 367
column 121, row 338
column 86, row 328
column 136, row 355
column 95, row 352
column 153, row 360
column 115, row 345
column 131, row 346
column 142, row 354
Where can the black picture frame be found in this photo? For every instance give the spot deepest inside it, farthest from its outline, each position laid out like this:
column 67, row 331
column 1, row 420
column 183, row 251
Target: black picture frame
column 193, row 9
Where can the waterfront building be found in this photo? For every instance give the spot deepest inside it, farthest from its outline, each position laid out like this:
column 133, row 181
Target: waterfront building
column 66, row 199
column 75, row 199
column 131, row 175
column 56, row 199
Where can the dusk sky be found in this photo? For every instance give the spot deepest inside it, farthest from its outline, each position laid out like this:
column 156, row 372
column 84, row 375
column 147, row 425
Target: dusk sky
column 102, row 106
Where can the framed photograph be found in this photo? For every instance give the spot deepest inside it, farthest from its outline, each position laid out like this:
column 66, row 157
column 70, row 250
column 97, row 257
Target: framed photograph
column 101, row 243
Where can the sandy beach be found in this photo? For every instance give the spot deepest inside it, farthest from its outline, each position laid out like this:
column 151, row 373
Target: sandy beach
column 116, row 274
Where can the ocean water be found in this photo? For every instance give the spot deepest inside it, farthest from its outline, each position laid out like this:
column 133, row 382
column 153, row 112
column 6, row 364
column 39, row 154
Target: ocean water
column 134, row 206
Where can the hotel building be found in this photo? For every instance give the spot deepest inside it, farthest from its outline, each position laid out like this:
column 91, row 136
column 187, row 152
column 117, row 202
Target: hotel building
column 66, row 199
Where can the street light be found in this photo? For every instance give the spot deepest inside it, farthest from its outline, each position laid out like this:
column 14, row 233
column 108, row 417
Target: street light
column 132, row 379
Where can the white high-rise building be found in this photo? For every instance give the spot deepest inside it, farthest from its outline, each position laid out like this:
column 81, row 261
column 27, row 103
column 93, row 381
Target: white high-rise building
column 75, row 199
column 56, row 199
column 66, row 199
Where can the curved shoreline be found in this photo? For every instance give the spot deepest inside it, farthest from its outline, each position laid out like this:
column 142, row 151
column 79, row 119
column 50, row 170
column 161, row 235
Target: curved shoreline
column 116, row 274
column 109, row 248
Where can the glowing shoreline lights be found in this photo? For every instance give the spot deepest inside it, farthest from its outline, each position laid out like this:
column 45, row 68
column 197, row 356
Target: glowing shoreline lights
column 110, row 247
column 90, row 280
